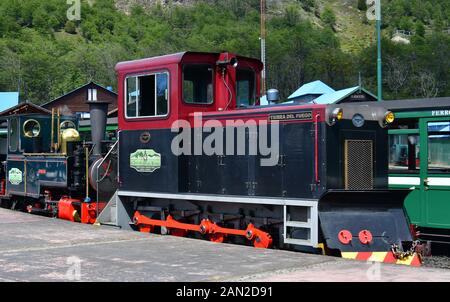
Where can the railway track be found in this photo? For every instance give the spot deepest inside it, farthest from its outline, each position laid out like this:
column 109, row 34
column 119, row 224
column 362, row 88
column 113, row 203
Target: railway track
column 437, row 262
column 440, row 256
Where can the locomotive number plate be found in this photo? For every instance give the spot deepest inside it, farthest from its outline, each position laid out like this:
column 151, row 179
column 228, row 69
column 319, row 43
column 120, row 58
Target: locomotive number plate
column 291, row 116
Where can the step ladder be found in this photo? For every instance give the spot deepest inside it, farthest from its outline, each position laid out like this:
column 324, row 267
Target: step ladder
column 309, row 227
column 109, row 214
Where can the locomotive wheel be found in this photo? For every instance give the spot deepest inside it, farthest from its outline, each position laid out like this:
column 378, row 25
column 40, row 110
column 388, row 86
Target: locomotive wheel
column 178, row 233
column 218, row 238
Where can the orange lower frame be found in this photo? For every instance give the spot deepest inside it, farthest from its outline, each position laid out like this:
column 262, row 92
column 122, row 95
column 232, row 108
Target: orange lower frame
column 259, row 238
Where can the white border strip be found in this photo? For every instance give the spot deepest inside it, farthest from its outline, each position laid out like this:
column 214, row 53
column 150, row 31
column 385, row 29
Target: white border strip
column 439, row 181
column 408, row 181
column 224, row 198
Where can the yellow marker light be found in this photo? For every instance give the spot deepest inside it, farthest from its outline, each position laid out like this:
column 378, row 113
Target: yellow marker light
column 389, row 117
column 337, row 114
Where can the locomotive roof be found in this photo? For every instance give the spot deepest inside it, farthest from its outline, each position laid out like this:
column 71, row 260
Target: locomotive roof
column 175, row 58
column 36, row 115
column 413, row 104
column 24, row 108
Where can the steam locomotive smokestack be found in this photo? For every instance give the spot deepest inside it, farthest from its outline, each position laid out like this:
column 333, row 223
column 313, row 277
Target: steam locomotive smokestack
column 98, row 114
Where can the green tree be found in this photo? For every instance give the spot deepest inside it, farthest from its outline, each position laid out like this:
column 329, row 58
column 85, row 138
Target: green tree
column 42, row 63
column 420, row 29
column 328, row 17
column 406, row 23
column 70, row 27
column 308, row 5
column 292, row 15
column 362, row 6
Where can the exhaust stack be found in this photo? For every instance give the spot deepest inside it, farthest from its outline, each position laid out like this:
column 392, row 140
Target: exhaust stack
column 98, row 114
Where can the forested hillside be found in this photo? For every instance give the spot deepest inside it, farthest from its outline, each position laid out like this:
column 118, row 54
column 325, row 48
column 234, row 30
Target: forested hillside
column 43, row 55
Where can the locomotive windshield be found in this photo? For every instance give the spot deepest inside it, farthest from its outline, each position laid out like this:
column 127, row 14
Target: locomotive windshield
column 245, row 88
column 198, row 84
column 147, row 95
column 13, row 134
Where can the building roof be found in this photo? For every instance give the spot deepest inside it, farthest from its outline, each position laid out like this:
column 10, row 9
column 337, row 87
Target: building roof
column 335, row 97
column 315, row 88
column 24, row 108
column 8, row 100
column 76, row 89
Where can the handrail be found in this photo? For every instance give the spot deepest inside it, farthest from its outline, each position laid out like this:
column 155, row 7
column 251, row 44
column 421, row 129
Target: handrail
column 106, row 156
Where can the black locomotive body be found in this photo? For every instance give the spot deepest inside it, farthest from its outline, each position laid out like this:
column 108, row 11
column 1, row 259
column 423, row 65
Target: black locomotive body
column 328, row 183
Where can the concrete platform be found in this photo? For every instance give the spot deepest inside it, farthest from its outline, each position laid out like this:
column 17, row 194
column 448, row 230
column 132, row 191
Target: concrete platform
column 35, row 248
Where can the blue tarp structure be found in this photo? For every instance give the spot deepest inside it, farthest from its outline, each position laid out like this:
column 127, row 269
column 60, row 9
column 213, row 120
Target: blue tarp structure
column 336, row 96
column 8, row 100
column 263, row 101
column 313, row 88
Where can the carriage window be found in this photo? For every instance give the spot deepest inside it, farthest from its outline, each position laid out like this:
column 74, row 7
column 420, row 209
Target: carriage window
column 147, row 95
column 245, row 88
column 404, row 152
column 439, row 146
column 198, row 84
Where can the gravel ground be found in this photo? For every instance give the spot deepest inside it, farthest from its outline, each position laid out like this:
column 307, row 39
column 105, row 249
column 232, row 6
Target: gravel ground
column 437, row 262
column 440, row 258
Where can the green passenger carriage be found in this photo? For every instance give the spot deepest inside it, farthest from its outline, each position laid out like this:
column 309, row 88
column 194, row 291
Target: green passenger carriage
column 419, row 159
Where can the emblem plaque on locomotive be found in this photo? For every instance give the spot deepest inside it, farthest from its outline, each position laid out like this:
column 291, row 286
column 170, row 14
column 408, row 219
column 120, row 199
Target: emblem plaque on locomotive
column 145, row 161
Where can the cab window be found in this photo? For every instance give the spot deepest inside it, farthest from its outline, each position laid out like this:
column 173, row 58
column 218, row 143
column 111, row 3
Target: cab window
column 147, row 95
column 198, row 84
column 245, row 87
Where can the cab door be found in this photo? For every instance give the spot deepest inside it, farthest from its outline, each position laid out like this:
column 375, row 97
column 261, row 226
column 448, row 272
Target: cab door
column 146, row 162
column 435, row 172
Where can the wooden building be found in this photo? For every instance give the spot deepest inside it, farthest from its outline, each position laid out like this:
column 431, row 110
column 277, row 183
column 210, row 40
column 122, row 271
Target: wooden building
column 75, row 102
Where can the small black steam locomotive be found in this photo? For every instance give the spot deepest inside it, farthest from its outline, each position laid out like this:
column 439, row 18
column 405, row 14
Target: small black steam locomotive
column 46, row 167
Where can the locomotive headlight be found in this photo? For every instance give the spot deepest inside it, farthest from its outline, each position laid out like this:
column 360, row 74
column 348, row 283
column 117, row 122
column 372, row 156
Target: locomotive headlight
column 340, row 114
column 334, row 115
column 389, row 117
column 337, row 115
